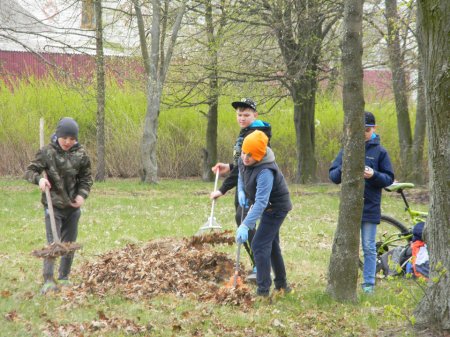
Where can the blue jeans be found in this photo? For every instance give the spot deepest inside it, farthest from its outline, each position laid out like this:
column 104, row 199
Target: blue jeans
column 368, row 236
column 267, row 252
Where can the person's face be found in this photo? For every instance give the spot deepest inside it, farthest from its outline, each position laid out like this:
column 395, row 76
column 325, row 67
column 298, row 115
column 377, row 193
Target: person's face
column 66, row 143
column 247, row 159
column 245, row 117
column 369, row 132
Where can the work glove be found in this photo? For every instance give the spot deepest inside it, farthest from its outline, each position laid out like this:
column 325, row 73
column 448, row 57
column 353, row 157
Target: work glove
column 242, row 234
column 243, row 202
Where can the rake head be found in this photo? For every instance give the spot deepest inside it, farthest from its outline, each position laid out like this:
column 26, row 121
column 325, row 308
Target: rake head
column 211, row 224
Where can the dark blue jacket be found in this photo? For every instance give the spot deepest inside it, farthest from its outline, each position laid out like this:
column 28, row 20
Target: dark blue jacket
column 378, row 159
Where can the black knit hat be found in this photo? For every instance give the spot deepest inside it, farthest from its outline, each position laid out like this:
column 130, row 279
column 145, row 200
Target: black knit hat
column 67, row 127
column 245, row 103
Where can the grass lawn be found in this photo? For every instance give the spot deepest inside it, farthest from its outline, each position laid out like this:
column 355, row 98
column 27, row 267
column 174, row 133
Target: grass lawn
column 119, row 212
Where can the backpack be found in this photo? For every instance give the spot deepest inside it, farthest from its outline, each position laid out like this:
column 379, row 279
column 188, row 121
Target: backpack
column 412, row 259
column 394, row 262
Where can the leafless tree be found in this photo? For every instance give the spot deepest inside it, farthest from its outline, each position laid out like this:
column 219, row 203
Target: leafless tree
column 100, row 67
column 433, row 311
column 343, row 267
column 157, row 60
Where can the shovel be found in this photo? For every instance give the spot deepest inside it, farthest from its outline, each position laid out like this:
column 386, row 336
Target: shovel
column 211, row 223
column 235, row 280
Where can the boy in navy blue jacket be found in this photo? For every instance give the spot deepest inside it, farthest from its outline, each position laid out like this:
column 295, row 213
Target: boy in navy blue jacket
column 267, row 192
column 378, row 174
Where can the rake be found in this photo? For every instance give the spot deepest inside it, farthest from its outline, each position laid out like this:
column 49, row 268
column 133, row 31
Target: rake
column 212, row 223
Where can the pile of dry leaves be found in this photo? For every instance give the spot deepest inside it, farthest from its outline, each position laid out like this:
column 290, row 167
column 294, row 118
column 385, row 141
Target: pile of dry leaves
column 186, row 268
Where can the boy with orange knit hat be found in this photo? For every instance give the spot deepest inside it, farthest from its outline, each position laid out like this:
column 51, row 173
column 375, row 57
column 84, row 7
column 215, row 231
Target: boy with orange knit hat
column 266, row 189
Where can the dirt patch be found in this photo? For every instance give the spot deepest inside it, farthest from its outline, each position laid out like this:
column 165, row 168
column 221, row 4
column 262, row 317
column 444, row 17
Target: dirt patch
column 184, row 267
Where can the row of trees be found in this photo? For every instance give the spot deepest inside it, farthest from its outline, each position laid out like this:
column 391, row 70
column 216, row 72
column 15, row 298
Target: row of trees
column 291, row 45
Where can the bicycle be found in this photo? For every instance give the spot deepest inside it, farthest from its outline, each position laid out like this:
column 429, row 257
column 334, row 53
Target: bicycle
column 392, row 233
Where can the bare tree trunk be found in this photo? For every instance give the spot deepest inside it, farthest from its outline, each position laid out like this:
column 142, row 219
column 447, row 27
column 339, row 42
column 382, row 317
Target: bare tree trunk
column 396, row 60
column 100, row 65
column 156, row 68
column 434, row 20
column 343, row 267
column 417, row 175
column 304, row 98
column 210, row 153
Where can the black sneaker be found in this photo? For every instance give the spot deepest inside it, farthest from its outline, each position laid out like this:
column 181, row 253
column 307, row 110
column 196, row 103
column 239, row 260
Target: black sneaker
column 285, row 290
column 262, row 293
column 49, row 286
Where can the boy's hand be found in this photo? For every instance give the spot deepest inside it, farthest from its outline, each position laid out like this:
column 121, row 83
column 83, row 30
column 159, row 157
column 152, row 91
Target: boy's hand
column 44, row 183
column 223, row 168
column 215, row 195
column 243, row 202
column 78, row 202
column 368, row 172
column 242, row 234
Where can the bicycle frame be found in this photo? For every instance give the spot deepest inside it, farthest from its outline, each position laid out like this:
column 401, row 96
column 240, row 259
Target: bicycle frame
column 416, row 216
column 383, row 248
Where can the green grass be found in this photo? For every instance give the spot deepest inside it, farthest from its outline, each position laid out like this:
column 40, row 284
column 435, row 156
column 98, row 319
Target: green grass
column 123, row 211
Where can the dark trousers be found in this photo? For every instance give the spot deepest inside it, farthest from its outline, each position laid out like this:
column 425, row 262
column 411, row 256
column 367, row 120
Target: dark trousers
column 267, row 251
column 67, row 227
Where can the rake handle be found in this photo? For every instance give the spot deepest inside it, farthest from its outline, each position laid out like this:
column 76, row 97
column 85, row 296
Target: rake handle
column 47, row 191
column 214, row 200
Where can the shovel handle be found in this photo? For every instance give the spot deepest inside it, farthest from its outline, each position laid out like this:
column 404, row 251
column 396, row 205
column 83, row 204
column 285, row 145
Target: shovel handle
column 47, row 191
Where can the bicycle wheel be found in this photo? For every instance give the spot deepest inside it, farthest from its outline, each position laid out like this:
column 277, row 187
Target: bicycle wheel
column 391, row 233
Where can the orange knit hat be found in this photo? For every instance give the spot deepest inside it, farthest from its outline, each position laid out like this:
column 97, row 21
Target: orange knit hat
column 255, row 144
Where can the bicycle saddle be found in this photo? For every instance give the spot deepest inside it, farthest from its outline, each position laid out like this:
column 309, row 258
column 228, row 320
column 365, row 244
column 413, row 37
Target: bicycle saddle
column 398, row 187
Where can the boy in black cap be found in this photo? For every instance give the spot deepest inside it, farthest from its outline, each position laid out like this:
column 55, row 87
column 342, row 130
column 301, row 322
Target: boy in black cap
column 69, row 179
column 378, row 174
column 246, row 115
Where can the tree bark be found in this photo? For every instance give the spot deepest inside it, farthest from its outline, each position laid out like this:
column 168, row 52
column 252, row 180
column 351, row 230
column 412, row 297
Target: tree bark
column 300, row 46
column 396, row 62
column 304, row 97
column 210, row 153
column 417, row 175
column 343, row 267
column 100, row 65
column 157, row 68
column 433, row 310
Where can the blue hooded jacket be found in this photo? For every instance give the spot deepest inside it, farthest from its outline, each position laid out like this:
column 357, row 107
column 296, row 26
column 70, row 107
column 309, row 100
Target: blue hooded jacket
column 383, row 175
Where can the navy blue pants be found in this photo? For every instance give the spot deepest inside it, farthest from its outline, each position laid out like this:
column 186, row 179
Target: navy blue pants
column 267, row 252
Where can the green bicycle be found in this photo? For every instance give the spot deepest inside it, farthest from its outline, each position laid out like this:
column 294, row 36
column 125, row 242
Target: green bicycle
column 391, row 232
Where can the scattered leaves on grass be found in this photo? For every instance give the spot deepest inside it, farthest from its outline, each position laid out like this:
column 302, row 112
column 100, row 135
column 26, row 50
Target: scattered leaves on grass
column 103, row 325
column 186, row 268
column 11, row 316
column 56, row 249
column 5, row 293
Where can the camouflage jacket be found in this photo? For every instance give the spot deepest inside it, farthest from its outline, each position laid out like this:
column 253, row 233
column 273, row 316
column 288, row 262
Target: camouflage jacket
column 69, row 173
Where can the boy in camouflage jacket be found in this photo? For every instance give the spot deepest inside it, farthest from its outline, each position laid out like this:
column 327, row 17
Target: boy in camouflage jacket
column 69, row 179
